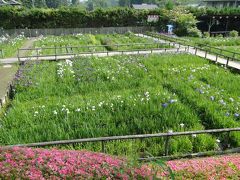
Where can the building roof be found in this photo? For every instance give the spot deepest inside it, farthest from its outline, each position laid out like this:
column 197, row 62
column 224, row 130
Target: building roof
column 145, row 6
column 11, row 2
column 2, row 2
column 220, row 0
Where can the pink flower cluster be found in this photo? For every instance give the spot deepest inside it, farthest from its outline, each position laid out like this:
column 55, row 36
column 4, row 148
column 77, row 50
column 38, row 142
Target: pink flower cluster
column 220, row 167
column 27, row 163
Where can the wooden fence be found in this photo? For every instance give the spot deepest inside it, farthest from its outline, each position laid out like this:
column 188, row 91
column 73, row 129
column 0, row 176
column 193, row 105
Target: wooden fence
column 67, row 31
column 92, row 49
column 103, row 140
column 228, row 55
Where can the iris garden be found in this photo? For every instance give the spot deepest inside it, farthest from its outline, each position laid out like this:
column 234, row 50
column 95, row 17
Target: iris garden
column 90, row 97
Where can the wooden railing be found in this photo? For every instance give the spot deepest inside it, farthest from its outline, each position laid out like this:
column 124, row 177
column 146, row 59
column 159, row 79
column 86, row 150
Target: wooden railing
column 229, row 55
column 103, row 140
column 75, row 50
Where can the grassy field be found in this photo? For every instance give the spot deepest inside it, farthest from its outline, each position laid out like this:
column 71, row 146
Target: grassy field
column 10, row 45
column 109, row 41
column 229, row 44
column 122, row 95
column 216, row 41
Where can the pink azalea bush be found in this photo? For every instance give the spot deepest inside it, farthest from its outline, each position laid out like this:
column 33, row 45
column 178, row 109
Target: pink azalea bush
column 27, row 163
column 220, row 167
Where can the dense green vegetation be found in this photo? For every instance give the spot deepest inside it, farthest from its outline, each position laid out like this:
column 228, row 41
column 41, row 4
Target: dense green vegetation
column 86, row 43
column 11, row 18
column 9, row 45
column 217, row 45
column 93, row 97
column 78, row 18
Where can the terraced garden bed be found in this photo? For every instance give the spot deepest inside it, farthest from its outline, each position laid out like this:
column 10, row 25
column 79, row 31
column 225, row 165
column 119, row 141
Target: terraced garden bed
column 123, row 95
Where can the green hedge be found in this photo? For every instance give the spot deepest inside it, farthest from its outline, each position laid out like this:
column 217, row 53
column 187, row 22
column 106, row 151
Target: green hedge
column 72, row 17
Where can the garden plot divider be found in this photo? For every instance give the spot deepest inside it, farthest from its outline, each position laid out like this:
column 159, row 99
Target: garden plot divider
column 167, row 137
column 72, row 51
column 228, row 55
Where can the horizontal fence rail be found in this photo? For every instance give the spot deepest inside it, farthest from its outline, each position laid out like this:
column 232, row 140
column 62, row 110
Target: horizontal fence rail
column 90, row 49
column 228, row 55
column 67, row 31
column 167, row 137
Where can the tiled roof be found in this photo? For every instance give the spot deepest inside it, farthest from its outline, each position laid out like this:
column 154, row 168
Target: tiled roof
column 145, row 6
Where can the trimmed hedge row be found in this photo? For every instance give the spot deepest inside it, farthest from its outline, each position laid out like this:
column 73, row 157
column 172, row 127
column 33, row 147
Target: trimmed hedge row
column 11, row 18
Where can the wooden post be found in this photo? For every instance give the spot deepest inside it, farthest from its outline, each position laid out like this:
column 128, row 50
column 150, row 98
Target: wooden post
column 103, row 147
column 205, row 54
column 18, row 56
column 1, row 53
column 227, row 62
column 37, row 54
column 167, row 145
column 216, row 58
column 1, row 102
column 55, row 53
column 195, row 51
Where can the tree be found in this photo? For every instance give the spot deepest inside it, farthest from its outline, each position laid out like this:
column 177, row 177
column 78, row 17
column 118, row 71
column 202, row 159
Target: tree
column 90, row 6
column 124, row 3
column 28, row 3
column 169, row 5
column 40, row 3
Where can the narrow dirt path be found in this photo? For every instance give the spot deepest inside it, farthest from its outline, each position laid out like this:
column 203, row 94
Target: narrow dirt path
column 8, row 71
column 28, row 44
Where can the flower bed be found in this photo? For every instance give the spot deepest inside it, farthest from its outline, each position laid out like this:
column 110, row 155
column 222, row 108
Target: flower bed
column 27, row 163
column 221, row 167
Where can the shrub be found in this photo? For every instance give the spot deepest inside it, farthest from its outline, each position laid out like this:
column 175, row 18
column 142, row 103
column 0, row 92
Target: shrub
column 108, row 43
column 26, row 163
column 182, row 19
column 206, row 34
column 219, row 36
column 194, row 32
column 233, row 33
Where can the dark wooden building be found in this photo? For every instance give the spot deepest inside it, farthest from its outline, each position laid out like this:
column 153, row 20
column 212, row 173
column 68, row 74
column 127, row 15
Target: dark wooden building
column 222, row 3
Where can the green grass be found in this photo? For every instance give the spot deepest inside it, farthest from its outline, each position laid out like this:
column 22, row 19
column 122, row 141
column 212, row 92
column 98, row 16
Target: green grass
column 216, row 41
column 219, row 44
column 109, row 41
column 10, row 46
column 123, row 95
